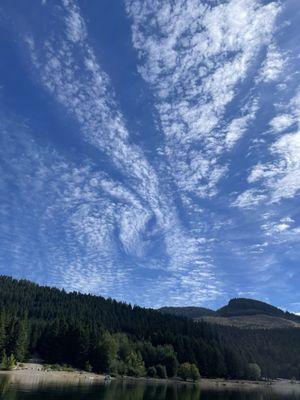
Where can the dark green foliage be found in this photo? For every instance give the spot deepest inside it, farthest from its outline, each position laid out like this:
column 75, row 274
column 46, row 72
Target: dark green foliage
column 168, row 358
column 234, row 363
column 161, row 371
column 135, row 364
column 88, row 367
column 104, row 352
column 189, row 371
column 7, row 363
column 253, row 372
column 21, row 340
column 11, row 362
column 2, row 333
column 86, row 331
column 189, row 312
column 194, row 373
column 4, row 361
column 184, row 371
column 151, row 372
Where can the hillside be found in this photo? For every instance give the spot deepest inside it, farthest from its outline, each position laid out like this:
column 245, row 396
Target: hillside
column 259, row 321
column 188, row 312
column 240, row 313
column 241, row 307
column 104, row 335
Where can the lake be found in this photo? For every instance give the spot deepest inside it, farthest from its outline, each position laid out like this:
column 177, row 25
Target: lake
column 40, row 390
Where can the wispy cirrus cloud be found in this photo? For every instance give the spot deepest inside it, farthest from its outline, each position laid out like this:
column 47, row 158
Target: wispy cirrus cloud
column 63, row 237
column 139, row 210
column 158, row 165
column 278, row 178
column 193, row 55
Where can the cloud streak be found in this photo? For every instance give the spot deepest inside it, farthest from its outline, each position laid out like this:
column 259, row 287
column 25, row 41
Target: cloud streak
column 193, row 60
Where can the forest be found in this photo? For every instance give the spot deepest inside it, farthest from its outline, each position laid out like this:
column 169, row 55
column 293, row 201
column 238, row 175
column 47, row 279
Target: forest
column 105, row 336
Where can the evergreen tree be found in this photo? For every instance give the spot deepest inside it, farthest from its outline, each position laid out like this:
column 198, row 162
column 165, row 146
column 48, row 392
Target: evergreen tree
column 88, row 367
column 235, row 368
column 161, row 371
column 21, row 340
column 167, row 357
column 2, row 332
column 4, row 360
column 194, row 373
column 104, row 352
column 135, row 365
column 11, row 362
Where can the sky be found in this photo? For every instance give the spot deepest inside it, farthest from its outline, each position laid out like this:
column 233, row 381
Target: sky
column 150, row 150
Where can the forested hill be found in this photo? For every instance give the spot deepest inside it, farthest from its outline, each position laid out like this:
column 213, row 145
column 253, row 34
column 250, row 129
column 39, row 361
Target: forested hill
column 108, row 336
column 189, row 312
column 240, row 312
column 242, row 307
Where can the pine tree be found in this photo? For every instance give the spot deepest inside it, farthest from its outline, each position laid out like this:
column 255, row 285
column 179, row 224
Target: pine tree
column 4, row 361
column 11, row 362
column 2, row 332
column 21, row 343
column 194, row 373
column 135, row 364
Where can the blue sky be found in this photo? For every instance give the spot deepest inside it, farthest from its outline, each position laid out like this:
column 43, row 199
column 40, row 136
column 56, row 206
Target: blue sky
column 150, row 151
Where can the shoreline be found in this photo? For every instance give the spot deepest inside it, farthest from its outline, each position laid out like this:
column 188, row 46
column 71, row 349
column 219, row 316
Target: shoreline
column 34, row 374
column 223, row 384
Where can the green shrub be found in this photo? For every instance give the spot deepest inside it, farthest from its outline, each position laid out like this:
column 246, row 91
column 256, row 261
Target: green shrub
column 253, row 372
column 188, row 371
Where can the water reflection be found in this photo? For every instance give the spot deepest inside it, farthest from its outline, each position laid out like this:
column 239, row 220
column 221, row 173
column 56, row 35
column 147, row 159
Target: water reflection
column 5, row 392
column 17, row 390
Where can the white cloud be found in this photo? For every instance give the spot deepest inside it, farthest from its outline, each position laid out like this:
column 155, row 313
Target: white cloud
column 273, row 65
column 281, row 177
column 281, row 122
column 238, row 126
column 280, row 232
column 235, row 130
column 249, row 198
column 261, row 171
column 193, row 60
column 287, row 184
column 278, row 178
column 289, row 117
column 282, row 225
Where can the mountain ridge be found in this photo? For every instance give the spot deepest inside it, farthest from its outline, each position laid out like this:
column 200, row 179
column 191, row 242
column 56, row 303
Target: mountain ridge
column 240, row 312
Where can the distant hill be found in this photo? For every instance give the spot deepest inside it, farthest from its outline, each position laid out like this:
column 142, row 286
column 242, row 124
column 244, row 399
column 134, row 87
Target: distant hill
column 189, row 312
column 241, row 313
column 242, row 307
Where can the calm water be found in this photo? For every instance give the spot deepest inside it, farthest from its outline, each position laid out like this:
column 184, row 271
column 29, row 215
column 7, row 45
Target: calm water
column 121, row 391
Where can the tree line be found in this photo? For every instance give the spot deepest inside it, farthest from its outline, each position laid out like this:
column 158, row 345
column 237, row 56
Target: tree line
column 106, row 336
